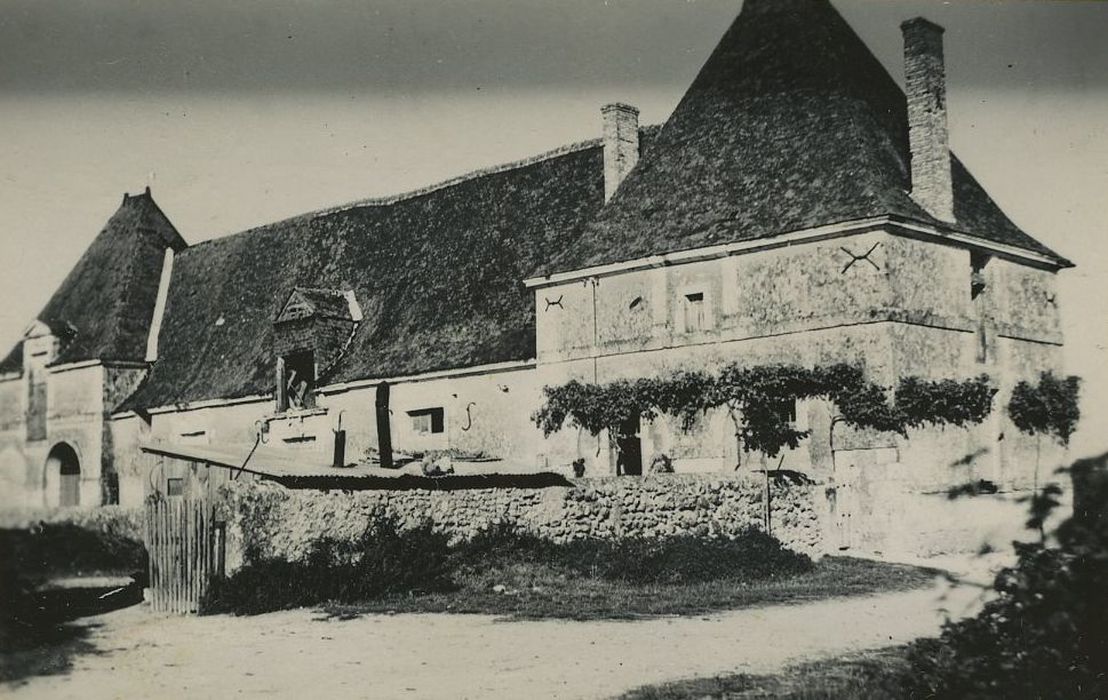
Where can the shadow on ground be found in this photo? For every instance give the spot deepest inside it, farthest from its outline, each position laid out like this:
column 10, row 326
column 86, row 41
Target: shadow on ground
column 42, row 632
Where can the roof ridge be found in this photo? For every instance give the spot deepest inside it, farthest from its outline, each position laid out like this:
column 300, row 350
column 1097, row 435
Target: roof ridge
column 566, row 149
column 387, row 200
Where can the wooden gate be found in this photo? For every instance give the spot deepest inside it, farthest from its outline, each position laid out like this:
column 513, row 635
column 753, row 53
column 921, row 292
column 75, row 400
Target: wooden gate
column 185, row 546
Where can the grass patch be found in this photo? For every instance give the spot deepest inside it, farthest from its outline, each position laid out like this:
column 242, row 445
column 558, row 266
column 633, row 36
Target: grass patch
column 505, row 572
column 535, row 591
column 873, row 675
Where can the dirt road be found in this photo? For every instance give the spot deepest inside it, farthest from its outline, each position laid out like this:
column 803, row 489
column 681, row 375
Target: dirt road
column 296, row 654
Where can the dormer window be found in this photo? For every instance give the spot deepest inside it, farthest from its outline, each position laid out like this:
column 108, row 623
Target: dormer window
column 310, row 336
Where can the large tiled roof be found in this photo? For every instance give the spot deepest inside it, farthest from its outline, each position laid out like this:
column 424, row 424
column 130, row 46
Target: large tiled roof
column 103, row 308
column 438, row 276
column 792, row 123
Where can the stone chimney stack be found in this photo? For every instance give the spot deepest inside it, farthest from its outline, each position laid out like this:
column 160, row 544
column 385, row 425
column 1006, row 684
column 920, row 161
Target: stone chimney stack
column 621, row 144
column 925, row 87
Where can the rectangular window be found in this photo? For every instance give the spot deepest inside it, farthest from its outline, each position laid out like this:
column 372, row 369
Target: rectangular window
column 427, row 421
column 981, row 304
column 978, row 261
column 694, row 312
column 297, row 381
column 174, row 487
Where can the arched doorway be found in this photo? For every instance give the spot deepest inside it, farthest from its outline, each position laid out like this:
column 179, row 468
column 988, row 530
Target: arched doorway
column 63, row 463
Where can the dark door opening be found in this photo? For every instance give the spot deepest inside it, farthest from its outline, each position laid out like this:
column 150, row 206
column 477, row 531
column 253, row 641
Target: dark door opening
column 63, row 459
column 629, row 461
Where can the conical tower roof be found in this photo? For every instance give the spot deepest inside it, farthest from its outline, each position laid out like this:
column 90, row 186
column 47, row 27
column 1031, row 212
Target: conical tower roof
column 792, row 123
column 104, row 307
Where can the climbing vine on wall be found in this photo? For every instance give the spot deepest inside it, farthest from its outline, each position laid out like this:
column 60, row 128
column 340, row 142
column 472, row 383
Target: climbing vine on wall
column 756, row 399
column 1047, row 408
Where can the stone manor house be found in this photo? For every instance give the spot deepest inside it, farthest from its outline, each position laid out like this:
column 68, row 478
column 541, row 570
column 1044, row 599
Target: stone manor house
column 797, row 206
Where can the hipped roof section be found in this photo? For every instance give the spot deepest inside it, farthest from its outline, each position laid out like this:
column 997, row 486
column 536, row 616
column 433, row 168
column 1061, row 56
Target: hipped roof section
column 792, row 123
column 104, row 307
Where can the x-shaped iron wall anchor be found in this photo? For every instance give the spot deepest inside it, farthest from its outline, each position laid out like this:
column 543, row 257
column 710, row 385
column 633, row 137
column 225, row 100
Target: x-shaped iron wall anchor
column 855, row 258
column 557, row 302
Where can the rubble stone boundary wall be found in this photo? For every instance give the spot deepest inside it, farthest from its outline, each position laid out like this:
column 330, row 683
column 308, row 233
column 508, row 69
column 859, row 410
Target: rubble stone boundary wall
column 269, row 520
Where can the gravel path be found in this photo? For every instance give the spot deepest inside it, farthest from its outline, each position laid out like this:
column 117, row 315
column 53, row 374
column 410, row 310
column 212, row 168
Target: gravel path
column 296, row 654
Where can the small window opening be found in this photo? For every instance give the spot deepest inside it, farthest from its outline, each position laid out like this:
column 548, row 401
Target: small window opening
column 175, row 486
column 299, row 380
column 427, row 421
column 694, row 312
column 978, row 286
column 977, row 274
column 635, row 303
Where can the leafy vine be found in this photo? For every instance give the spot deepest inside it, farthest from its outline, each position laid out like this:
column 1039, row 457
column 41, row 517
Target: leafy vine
column 756, row 396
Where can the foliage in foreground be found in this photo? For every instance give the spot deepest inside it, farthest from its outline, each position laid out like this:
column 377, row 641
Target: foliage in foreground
column 1045, row 635
column 389, row 561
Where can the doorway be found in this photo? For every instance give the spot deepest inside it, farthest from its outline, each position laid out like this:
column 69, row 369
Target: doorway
column 629, row 449
column 844, row 503
column 63, row 461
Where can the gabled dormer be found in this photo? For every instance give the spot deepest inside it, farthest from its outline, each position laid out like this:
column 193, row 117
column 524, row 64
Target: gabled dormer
column 310, row 333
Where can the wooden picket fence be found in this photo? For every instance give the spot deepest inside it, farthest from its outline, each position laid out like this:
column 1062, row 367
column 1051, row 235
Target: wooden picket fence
column 184, row 545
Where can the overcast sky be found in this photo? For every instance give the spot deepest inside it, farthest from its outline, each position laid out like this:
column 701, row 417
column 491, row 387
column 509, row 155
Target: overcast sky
column 239, row 113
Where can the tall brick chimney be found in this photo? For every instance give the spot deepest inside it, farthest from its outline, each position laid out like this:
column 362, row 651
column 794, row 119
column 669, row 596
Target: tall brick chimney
column 925, row 87
column 621, row 144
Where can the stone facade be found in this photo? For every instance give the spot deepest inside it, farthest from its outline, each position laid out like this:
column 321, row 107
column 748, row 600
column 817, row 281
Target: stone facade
column 78, row 403
column 905, row 309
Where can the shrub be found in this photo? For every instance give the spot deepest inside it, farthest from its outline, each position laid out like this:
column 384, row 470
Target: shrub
column 1045, row 635
column 751, row 556
column 388, row 561
column 385, row 560
column 68, row 549
column 1047, row 408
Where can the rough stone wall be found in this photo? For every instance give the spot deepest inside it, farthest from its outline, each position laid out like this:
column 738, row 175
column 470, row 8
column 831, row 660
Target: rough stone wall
column 271, row 521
